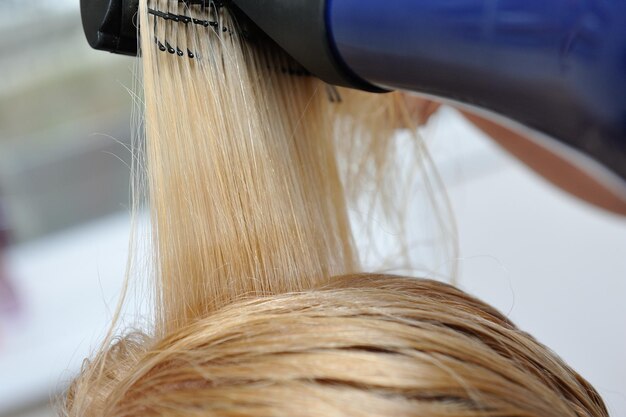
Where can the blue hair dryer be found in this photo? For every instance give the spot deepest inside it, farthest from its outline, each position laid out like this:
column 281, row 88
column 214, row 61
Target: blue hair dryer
column 557, row 67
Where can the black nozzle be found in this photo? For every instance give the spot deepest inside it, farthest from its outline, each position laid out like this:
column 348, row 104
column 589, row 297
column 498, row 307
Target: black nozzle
column 111, row 25
column 299, row 27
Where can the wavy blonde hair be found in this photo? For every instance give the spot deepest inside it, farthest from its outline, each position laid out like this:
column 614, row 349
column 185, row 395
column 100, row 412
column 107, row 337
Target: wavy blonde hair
column 261, row 306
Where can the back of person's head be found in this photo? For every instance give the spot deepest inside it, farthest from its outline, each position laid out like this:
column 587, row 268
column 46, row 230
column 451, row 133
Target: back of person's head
column 262, row 308
column 369, row 345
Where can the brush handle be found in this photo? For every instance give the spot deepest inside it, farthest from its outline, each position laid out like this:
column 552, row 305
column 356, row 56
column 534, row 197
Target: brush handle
column 556, row 66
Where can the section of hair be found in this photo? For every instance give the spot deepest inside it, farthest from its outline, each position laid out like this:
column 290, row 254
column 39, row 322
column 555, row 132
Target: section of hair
column 246, row 190
column 244, row 187
column 362, row 346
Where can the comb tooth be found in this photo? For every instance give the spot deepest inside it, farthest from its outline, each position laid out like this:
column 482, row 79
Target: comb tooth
column 333, row 94
column 162, row 47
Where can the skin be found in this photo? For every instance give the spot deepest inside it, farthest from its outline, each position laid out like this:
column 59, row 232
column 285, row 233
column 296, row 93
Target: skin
column 543, row 161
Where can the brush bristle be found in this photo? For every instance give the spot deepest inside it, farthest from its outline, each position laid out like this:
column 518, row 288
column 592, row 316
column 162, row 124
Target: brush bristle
column 206, row 18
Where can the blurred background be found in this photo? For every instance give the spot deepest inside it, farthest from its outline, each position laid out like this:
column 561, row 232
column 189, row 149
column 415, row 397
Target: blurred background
column 555, row 265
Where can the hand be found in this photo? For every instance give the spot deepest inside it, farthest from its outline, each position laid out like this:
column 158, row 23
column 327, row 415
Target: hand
column 420, row 109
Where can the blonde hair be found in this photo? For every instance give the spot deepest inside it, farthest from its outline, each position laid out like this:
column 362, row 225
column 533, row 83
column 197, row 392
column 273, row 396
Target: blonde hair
column 261, row 309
